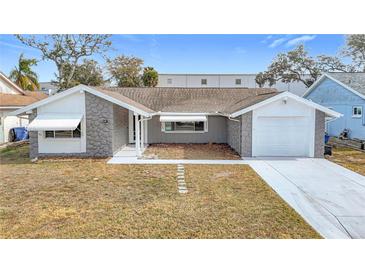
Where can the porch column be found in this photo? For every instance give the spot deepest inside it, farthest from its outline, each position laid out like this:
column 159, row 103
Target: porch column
column 138, row 135
column 142, row 135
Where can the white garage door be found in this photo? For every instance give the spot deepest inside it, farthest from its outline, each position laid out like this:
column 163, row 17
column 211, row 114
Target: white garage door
column 281, row 136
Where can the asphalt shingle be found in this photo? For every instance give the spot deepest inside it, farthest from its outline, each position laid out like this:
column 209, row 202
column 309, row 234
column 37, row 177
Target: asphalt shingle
column 207, row 100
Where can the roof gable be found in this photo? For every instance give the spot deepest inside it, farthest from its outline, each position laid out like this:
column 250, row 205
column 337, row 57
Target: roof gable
column 114, row 98
column 354, row 80
column 357, row 82
column 10, row 84
column 282, row 96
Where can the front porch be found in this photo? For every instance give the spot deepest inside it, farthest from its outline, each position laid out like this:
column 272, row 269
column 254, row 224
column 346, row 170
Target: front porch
column 127, row 151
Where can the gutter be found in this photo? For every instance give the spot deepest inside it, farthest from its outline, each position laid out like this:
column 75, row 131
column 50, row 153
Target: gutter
column 228, row 116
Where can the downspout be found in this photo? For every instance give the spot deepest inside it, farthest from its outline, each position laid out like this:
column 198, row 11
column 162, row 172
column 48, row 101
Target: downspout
column 146, row 119
column 328, row 121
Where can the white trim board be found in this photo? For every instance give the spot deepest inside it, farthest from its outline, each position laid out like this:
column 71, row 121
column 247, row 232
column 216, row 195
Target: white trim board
column 79, row 88
column 284, row 95
column 316, row 83
column 11, row 83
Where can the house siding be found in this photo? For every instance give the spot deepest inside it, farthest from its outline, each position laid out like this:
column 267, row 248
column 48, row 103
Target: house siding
column 319, row 134
column 217, row 132
column 330, row 94
column 246, row 135
column 234, row 134
column 106, row 130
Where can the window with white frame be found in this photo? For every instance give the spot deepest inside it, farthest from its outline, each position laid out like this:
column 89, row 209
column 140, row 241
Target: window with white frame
column 185, row 126
column 204, row 82
column 357, row 111
column 169, row 81
column 76, row 133
column 238, row 82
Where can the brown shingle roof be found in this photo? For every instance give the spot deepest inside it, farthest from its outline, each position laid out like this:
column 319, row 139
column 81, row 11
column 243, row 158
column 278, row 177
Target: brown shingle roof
column 201, row 100
column 19, row 100
column 121, row 97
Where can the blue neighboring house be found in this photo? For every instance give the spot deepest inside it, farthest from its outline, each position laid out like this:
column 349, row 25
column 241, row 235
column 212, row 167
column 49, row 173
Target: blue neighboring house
column 344, row 93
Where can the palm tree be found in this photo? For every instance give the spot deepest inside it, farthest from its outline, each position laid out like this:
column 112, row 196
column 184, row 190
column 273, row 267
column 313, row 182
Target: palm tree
column 23, row 75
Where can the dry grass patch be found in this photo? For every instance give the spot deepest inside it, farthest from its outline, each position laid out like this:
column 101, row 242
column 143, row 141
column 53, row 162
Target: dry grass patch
column 232, row 201
column 191, row 151
column 90, row 199
column 349, row 158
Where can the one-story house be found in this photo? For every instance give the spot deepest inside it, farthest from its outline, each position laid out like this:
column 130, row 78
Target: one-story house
column 98, row 121
column 12, row 97
column 345, row 93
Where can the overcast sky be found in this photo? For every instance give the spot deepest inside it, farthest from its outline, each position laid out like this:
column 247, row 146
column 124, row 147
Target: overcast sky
column 187, row 53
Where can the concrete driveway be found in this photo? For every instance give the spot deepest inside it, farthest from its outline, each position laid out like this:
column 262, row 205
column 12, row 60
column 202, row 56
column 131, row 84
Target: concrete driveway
column 329, row 197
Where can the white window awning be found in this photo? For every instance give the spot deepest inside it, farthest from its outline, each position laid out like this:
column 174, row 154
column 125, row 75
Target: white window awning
column 181, row 118
column 59, row 121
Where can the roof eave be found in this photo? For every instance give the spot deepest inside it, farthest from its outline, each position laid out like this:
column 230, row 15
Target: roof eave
column 325, row 75
column 75, row 89
column 15, row 86
column 309, row 103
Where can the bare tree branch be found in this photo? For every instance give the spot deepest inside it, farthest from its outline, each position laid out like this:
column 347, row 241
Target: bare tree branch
column 67, row 49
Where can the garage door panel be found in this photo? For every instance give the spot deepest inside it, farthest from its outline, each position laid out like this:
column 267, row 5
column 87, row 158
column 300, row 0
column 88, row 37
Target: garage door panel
column 281, row 136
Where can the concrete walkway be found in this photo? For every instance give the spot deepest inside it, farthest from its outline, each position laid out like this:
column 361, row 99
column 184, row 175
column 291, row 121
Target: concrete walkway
column 329, row 197
column 136, row 161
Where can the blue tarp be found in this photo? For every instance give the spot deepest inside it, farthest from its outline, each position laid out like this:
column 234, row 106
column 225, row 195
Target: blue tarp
column 21, row 133
column 326, row 138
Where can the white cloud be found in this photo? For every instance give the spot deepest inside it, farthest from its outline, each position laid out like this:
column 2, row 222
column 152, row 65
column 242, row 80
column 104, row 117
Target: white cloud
column 277, row 42
column 267, row 38
column 300, row 39
column 10, row 45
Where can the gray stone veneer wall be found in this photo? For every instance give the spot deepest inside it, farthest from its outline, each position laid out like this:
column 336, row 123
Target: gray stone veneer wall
column 239, row 134
column 246, row 135
column 99, row 126
column 234, row 134
column 33, row 138
column 319, row 134
column 120, row 127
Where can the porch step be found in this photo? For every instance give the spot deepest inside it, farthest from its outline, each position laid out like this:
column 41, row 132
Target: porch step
column 126, row 153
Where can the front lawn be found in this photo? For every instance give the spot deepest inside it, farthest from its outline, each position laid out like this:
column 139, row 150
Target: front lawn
column 84, row 198
column 349, row 158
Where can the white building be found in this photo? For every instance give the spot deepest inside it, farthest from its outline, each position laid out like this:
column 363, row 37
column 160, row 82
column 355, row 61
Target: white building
column 223, row 81
column 12, row 97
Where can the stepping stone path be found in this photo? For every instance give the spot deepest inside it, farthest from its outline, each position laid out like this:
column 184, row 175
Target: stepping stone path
column 181, row 185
